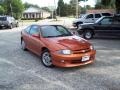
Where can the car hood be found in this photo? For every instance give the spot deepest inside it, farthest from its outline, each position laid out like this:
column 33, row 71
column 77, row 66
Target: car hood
column 69, row 42
column 78, row 20
column 87, row 23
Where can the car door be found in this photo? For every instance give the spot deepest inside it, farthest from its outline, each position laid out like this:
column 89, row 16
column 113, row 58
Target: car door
column 97, row 16
column 26, row 36
column 89, row 18
column 116, row 27
column 104, row 26
column 34, row 39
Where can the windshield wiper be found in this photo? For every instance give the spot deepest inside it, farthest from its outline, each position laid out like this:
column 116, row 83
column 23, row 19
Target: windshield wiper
column 62, row 35
column 66, row 35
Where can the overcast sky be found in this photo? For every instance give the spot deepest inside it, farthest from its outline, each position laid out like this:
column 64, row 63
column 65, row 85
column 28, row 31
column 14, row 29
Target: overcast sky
column 43, row 3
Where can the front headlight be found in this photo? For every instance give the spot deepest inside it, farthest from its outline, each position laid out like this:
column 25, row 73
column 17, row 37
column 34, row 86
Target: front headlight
column 91, row 47
column 65, row 52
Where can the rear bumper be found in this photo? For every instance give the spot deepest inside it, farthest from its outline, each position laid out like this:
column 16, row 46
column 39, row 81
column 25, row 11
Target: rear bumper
column 72, row 60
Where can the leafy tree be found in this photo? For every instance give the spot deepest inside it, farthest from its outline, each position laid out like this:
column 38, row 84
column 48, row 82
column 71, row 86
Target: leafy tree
column 27, row 5
column 61, row 8
column 109, row 4
column 2, row 10
column 105, row 4
column 46, row 9
column 13, row 7
column 117, row 3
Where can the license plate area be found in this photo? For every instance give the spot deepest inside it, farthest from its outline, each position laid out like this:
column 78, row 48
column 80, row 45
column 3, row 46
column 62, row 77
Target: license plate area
column 85, row 58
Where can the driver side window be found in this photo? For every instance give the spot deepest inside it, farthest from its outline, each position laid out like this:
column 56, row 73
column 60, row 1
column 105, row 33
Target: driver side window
column 34, row 30
column 106, row 21
column 89, row 16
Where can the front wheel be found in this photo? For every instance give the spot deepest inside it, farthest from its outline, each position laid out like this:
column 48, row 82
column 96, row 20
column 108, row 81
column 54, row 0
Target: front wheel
column 88, row 34
column 46, row 59
column 23, row 45
column 11, row 26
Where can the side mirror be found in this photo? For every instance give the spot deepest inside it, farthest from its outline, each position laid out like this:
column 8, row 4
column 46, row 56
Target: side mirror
column 36, row 35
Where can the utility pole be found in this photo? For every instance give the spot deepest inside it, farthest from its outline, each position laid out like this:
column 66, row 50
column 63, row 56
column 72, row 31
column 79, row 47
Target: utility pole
column 55, row 11
column 59, row 11
column 11, row 9
column 85, row 6
column 77, row 8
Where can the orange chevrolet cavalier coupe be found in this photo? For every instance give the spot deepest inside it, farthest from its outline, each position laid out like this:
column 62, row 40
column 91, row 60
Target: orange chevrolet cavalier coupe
column 57, row 46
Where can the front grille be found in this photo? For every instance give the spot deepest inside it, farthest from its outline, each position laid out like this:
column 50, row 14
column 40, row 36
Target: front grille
column 76, row 61
column 81, row 51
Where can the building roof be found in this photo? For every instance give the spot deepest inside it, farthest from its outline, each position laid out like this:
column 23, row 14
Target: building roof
column 33, row 10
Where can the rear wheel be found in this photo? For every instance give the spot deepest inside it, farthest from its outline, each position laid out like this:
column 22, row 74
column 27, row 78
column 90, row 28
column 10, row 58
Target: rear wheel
column 88, row 34
column 17, row 25
column 46, row 59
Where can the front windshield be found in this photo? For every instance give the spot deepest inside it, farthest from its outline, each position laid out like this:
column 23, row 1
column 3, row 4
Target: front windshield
column 54, row 31
column 99, row 20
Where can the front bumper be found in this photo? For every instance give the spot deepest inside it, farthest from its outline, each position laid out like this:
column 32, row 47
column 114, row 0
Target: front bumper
column 72, row 60
column 74, row 24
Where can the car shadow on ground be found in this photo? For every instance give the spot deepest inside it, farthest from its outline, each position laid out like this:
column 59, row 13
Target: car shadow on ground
column 106, row 38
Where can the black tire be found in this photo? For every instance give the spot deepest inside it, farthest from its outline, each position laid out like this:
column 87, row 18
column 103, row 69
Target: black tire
column 77, row 25
column 88, row 34
column 17, row 25
column 11, row 26
column 23, row 45
column 46, row 59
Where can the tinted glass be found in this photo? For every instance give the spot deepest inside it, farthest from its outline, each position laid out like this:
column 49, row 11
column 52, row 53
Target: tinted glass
column 106, row 14
column 89, row 16
column 107, row 21
column 28, row 29
column 54, row 31
column 3, row 18
column 34, row 30
column 97, row 15
column 116, row 20
column 63, row 30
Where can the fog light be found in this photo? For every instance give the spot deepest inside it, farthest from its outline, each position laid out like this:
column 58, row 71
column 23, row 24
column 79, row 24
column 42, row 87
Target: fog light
column 62, row 61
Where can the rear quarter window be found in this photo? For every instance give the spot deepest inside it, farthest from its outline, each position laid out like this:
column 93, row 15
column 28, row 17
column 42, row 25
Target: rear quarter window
column 3, row 18
column 106, row 14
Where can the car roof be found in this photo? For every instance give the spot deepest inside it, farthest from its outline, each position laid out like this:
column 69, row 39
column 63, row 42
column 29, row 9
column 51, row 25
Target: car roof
column 46, row 25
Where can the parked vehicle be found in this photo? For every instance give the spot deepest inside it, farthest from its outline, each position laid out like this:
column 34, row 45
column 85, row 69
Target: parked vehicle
column 89, row 18
column 57, row 46
column 104, row 26
column 8, row 21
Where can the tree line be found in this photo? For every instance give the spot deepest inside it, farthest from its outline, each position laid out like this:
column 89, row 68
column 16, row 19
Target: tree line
column 64, row 9
column 16, row 7
column 109, row 4
column 11, row 7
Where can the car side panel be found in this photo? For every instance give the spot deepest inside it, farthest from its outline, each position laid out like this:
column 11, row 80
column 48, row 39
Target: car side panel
column 102, row 29
column 36, row 45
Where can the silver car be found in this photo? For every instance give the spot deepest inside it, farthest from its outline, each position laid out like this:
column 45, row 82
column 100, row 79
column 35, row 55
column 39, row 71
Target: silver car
column 8, row 21
column 89, row 18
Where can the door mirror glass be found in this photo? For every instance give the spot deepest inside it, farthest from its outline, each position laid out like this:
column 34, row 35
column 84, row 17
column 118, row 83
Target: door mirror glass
column 36, row 35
